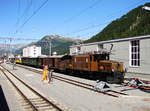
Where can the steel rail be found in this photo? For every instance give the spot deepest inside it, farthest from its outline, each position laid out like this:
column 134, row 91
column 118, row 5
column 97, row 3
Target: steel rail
column 86, row 87
column 144, row 81
column 55, row 106
column 88, row 84
column 26, row 99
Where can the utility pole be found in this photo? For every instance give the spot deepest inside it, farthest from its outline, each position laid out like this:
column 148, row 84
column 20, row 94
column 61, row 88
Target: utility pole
column 50, row 46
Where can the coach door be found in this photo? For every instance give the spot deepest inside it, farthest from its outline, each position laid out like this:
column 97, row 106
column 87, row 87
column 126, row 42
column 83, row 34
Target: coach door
column 53, row 62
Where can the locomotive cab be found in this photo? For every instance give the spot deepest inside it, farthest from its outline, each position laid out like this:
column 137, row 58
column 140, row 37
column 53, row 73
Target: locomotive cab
column 113, row 70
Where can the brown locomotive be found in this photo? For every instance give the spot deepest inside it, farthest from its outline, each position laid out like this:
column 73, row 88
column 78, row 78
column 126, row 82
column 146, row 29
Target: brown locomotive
column 97, row 65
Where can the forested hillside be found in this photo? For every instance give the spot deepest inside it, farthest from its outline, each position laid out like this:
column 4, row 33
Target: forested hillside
column 134, row 23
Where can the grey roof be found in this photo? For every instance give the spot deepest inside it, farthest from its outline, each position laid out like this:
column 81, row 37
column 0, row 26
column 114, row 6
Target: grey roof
column 116, row 40
column 53, row 56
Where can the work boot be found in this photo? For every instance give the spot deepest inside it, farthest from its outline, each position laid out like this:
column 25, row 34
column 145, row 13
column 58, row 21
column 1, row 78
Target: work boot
column 48, row 82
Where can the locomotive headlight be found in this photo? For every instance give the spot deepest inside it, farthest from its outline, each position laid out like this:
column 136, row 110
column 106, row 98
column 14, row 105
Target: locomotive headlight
column 70, row 65
column 112, row 70
column 101, row 68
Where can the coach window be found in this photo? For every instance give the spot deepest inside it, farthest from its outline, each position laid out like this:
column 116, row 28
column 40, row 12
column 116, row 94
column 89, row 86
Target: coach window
column 135, row 53
column 75, row 60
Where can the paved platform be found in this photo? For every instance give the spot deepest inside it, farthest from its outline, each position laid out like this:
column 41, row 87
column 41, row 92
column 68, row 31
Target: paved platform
column 12, row 102
column 92, row 82
column 79, row 99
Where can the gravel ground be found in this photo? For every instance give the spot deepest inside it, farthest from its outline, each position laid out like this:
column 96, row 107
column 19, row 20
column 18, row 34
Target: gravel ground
column 79, row 99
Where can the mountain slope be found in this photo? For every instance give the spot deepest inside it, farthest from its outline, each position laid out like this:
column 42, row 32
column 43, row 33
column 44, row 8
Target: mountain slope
column 134, row 23
column 59, row 44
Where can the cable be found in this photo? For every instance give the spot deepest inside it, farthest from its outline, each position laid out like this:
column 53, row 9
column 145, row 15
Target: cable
column 90, row 27
column 11, row 38
column 27, row 8
column 29, row 4
column 110, row 16
column 84, row 10
column 33, row 14
column 18, row 13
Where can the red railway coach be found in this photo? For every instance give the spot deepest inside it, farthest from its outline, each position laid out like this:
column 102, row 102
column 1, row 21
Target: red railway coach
column 51, row 61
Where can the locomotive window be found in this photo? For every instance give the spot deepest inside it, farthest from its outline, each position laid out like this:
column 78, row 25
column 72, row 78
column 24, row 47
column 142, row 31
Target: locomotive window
column 107, row 57
column 86, row 60
column 95, row 58
column 100, row 57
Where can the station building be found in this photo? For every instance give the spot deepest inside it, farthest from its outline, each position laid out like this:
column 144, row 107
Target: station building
column 133, row 51
column 32, row 51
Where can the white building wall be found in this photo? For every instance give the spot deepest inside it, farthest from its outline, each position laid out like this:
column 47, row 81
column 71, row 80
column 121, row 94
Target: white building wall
column 90, row 48
column 39, row 51
column 144, row 56
column 73, row 50
column 32, row 51
column 25, row 51
column 83, row 49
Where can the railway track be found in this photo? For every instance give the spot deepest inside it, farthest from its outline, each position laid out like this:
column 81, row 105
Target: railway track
column 77, row 83
column 34, row 100
column 144, row 81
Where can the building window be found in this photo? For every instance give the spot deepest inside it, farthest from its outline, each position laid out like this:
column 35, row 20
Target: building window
column 100, row 47
column 78, row 49
column 135, row 53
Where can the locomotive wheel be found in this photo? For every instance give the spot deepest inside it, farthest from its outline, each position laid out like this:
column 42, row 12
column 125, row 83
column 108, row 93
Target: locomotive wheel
column 69, row 72
column 110, row 79
column 116, row 77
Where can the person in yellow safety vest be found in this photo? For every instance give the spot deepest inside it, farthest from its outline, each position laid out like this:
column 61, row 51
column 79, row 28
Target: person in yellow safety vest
column 45, row 74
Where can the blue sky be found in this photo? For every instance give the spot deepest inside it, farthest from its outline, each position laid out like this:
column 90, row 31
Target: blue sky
column 71, row 18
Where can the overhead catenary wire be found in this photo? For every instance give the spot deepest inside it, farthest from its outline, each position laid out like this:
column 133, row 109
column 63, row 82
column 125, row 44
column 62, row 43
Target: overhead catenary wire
column 29, row 4
column 12, row 38
column 18, row 13
column 35, row 12
column 106, row 22
column 20, row 16
column 83, row 11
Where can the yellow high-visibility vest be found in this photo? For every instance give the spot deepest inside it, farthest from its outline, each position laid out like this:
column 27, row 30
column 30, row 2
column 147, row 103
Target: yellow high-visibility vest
column 45, row 74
